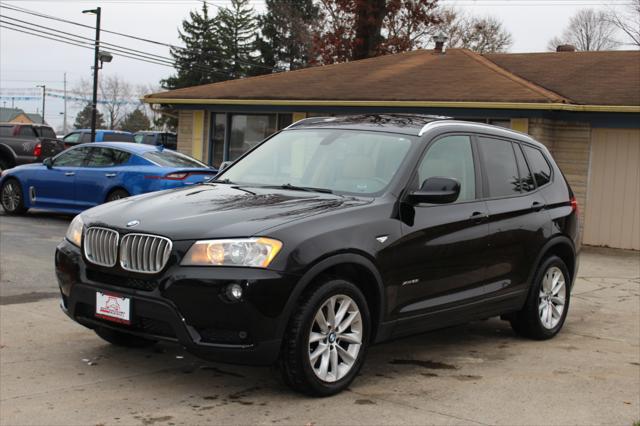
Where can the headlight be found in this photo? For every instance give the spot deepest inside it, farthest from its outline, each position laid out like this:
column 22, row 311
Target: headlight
column 252, row 252
column 74, row 232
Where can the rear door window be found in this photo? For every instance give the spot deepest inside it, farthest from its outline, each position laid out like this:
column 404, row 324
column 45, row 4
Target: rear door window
column 500, row 167
column 26, row 132
column 539, row 165
column 6, row 130
column 46, row 132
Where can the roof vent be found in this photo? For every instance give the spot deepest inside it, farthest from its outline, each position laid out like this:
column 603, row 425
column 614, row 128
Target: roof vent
column 440, row 39
column 566, row 48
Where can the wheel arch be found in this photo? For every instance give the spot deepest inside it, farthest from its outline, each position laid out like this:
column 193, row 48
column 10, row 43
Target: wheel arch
column 562, row 247
column 350, row 266
column 112, row 190
column 6, row 152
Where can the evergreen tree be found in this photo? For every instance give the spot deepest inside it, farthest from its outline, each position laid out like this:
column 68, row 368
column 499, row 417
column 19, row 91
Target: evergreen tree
column 237, row 30
column 83, row 119
column 135, row 121
column 200, row 61
column 286, row 31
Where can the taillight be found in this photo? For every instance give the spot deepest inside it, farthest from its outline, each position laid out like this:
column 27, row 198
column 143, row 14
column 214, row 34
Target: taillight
column 574, row 204
column 176, row 176
column 37, row 150
column 170, row 176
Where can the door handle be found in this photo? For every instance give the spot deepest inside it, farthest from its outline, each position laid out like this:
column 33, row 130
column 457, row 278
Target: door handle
column 537, row 206
column 70, row 174
column 479, row 217
column 110, row 175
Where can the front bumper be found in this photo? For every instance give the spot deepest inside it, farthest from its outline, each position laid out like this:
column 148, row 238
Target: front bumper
column 187, row 305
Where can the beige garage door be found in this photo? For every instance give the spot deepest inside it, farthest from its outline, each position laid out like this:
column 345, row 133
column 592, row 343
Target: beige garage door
column 612, row 217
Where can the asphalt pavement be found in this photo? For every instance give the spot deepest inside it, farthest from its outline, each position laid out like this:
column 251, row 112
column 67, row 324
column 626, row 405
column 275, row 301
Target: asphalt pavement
column 55, row 372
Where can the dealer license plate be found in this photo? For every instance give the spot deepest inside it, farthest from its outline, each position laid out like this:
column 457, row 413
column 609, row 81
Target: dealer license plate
column 113, row 307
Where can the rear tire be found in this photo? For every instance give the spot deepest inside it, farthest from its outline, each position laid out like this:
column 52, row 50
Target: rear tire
column 117, row 194
column 326, row 340
column 547, row 305
column 12, row 198
column 123, row 339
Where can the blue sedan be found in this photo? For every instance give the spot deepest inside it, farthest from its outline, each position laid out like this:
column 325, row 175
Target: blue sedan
column 90, row 174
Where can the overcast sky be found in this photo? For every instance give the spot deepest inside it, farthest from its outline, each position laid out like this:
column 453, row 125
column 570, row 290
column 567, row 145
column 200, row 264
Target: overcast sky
column 27, row 61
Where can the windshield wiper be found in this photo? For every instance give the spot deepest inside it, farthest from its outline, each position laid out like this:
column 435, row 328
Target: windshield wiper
column 225, row 180
column 301, row 188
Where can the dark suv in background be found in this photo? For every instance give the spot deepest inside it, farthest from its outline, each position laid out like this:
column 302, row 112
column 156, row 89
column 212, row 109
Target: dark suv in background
column 26, row 143
column 332, row 235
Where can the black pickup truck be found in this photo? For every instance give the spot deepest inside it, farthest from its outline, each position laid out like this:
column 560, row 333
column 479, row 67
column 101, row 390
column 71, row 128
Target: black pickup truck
column 26, row 143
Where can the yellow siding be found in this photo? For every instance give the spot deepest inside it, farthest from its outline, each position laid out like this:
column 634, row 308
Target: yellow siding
column 297, row 116
column 520, row 124
column 198, row 135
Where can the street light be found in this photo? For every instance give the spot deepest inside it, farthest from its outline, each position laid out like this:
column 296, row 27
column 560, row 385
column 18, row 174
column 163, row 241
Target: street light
column 44, row 94
column 96, row 57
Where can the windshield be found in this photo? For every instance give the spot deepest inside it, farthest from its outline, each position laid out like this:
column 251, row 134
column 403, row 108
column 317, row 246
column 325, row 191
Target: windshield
column 171, row 159
column 347, row 161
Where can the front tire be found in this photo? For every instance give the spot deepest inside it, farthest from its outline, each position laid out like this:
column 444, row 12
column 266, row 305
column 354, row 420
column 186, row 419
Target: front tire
column 547, row 306
column 11, row 197
column 327, row 338
column 123, row 339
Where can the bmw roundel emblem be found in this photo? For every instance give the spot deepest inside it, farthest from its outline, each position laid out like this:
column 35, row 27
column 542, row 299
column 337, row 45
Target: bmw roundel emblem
column 133, row 223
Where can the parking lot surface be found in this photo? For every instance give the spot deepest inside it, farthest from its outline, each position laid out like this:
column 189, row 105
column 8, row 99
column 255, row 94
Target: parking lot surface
column 55, row 372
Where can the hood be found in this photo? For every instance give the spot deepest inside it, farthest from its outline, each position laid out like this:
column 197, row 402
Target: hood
column 214, row 211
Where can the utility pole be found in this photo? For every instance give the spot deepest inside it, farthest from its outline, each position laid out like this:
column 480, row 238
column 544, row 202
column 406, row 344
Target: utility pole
column 12, row 102
column 94, row 104
column 44, row 95
column 64, row 121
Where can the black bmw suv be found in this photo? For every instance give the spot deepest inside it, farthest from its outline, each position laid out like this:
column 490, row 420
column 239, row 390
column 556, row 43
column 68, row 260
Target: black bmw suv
column 332, row 235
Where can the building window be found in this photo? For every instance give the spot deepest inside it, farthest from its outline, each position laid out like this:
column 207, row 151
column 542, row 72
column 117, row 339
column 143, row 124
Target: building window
column 249, row 130
column 216, row 144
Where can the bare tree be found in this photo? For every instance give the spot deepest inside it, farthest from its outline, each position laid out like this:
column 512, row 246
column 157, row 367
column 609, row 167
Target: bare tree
column 480, row 34
column 115, row 97
column 588, row 30
column 628, row 21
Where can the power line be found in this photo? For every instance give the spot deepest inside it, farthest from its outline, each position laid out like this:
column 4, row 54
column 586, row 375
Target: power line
column 86, row 42
column 42, row 15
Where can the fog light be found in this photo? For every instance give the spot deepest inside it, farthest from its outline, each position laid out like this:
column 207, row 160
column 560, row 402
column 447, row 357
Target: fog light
column 234, row 291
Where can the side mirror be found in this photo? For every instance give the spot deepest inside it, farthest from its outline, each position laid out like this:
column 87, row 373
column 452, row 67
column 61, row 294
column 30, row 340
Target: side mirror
column 224, row 165
column 436, row 190
column 48, row 162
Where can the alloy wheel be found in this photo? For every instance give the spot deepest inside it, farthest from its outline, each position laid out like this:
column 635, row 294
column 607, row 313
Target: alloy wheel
column 335, row 338
column 552, row 297
column 10, row 196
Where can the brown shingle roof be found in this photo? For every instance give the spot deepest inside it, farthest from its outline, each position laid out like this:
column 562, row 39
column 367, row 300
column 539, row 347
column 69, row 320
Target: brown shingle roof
column 589, row 78
column 420, row 75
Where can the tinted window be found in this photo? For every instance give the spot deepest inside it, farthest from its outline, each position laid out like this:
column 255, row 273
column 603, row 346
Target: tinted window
column 26, row 131
column 86, row 137
column 6, row 130
column 73, row 137
column 117, row 137
column 451, row 157
column 340, row 160
column 171, row 141
column 539, row 166
column 500, row 167
column 138, row 138
column 46, row 132
column 107, row 157
column 171, row 159
column 526, row 179
column 71, row 158
column 149, row 140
